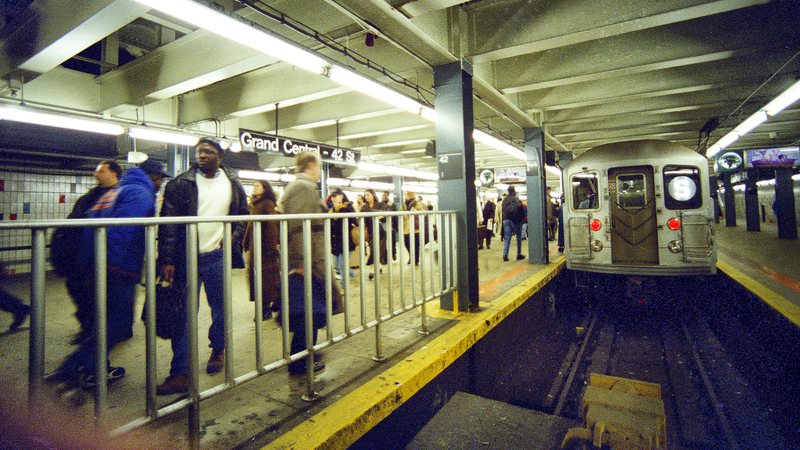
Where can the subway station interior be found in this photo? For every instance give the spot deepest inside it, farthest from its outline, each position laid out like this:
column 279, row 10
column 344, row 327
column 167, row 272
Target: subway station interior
column 647, row 296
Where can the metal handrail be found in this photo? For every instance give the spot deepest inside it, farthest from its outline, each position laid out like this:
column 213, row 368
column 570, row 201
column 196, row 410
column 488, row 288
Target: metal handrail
column 420, row 293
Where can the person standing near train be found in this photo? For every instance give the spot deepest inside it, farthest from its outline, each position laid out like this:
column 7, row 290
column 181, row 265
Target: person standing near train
column 513, row 212
column 207, row 189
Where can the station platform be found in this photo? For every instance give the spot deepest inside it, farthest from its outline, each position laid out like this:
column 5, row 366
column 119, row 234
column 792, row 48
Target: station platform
column 355, row 391
column 765, row 265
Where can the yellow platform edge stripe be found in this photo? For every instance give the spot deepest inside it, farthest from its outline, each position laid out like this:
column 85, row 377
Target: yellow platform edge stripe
column 780, row 304
column 349, row 418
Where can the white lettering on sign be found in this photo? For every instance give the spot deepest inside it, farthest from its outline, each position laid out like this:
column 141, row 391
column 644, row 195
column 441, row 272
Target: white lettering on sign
column 290, row 148
column 258, row 143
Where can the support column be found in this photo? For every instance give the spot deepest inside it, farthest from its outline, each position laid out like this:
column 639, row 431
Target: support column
column 455, row 156
column 751, row 212
column 730, row 203
column 534, row 181
column 784, row 204
column 712, row 183
column 323, row 180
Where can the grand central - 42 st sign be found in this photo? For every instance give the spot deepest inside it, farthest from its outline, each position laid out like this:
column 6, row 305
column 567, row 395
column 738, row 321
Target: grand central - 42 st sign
column 260, row 142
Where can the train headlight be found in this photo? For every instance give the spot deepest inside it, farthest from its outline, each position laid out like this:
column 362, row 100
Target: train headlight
column 596, row 245
column 596, row 225
column 674, row 224
column 675, row 246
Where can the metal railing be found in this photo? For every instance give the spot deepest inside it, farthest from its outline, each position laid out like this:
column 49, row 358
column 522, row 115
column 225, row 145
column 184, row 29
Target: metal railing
column 426, row 284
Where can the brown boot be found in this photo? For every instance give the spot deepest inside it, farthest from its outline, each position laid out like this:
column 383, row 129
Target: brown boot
column 216, row 362
column 174, row 384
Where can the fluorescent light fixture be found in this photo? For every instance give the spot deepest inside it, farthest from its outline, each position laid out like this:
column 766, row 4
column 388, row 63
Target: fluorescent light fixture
column 428, row 113
column 169, row 137
column 752, row 122
column 409, row 152
column 382, row 132
column 399, row 143
column 782, row 101
column 258, row 175
column 328, row 122
column 49, row 119
column 501, row 186
column 375, row 90
column 763, row 183
column 497, row 144
column 376, row 185
column 728, row 139
column 399, row 171
column 338, row 182
column 227, row 27
column 421, row 188
column 291, row 102
column 553, row 170
column 136, row 157
column 288, row 177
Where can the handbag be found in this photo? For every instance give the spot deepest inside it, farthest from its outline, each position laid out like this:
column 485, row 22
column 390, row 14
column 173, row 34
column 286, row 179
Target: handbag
column 170, row 310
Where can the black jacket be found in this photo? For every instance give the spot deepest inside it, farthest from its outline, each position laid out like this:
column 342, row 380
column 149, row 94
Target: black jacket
column 488, row 210
column 180, row 199
column 512, row 209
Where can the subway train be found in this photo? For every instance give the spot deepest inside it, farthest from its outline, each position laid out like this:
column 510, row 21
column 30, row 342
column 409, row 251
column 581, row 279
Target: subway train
column 639, row 209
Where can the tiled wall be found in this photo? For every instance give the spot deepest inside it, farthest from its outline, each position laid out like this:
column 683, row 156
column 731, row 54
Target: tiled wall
column 34, row 196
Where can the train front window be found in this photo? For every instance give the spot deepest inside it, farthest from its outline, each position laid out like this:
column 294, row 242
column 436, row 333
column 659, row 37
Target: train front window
column 682, row 187
column 584, row 191
column 631, row 192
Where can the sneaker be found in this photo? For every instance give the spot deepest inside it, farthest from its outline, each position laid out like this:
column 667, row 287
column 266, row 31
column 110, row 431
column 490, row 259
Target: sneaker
column 113, row 374
column 299, row 368
column 216, row 362
column 337, row 275
column 505, row 258
column 174, row 384
column 520, row 257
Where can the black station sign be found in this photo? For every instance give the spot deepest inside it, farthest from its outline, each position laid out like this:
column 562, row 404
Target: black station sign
column 260, row 142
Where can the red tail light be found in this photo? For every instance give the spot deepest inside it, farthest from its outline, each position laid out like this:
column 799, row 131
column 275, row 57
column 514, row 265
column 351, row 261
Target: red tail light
column 674, row 224
column 596, row 225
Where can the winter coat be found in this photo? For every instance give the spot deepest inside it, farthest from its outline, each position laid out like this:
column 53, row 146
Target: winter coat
column 301, row 197
column 376, row 207
column 133, row 197
column 270, row 258
column 512, row 209
column 337, row 241
column 411, row 205
column 488, row 210
column 180, row 199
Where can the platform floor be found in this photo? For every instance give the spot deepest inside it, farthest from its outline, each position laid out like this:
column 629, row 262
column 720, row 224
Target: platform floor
column 266, row 407
column 767, row 266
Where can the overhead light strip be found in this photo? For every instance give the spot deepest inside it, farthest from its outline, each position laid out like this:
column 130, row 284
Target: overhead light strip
column 771, row 109
column 50, row 119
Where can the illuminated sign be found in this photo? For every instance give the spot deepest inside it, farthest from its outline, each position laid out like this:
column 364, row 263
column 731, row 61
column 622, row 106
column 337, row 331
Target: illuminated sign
column 259, row 142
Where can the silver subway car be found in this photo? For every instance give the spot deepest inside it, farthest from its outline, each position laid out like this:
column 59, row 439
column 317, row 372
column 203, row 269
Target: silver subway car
column 639, row 208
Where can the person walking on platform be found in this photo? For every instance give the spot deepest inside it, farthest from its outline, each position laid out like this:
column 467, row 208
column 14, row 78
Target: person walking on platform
column 488, row 216
column 411, row 224
column 208, row 188
column 550, row 209
column 134, row 197
column 391, row 206
column 301, row 197
column 340, row 204
column 512, row 222
column 377, row 256
column 12, row 304
column 64, row 251
column 263, row 202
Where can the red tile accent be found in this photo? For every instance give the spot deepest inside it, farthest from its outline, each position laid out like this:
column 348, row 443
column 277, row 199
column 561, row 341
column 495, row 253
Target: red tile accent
column 2, row 185
column 62, row 198
column 12, row 216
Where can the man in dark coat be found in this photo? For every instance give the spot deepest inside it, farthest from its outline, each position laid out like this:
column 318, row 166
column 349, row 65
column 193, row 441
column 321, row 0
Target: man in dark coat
column 513, row 212
column 207, row 189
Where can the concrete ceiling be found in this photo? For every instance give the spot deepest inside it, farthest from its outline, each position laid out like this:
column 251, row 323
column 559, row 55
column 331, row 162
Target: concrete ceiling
column 589, row 71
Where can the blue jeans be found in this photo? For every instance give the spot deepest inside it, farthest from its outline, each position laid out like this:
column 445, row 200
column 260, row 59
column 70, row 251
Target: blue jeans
column 120, row 298
column 340, row 268
column 209, row 273
column 510, row 228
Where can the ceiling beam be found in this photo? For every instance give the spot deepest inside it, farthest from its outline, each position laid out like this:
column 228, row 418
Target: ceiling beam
column 628, row 26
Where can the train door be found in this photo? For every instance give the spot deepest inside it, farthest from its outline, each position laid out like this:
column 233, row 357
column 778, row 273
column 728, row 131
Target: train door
column 634, row 237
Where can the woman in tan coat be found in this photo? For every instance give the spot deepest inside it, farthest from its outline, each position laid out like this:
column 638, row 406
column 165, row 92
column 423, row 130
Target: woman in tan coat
column 262, row 202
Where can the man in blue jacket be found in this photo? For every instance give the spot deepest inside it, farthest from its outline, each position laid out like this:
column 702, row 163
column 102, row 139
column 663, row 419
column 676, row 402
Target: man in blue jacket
column 133, row 197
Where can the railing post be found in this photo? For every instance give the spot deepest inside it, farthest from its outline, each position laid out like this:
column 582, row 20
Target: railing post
column 329, row 285
column 376, row 261
column 346, row 272
column 285, row 287
column 227, row 299
column 36, row 343
column 310, row 395
column 400, row 232
column 256, row 272
column 423, row 311
column 150, row 316
column 191, row 331
column 362, row 252
column 100, row 328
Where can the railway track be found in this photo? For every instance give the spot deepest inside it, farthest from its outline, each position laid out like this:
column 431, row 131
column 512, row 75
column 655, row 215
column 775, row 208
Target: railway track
column 708, row 403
